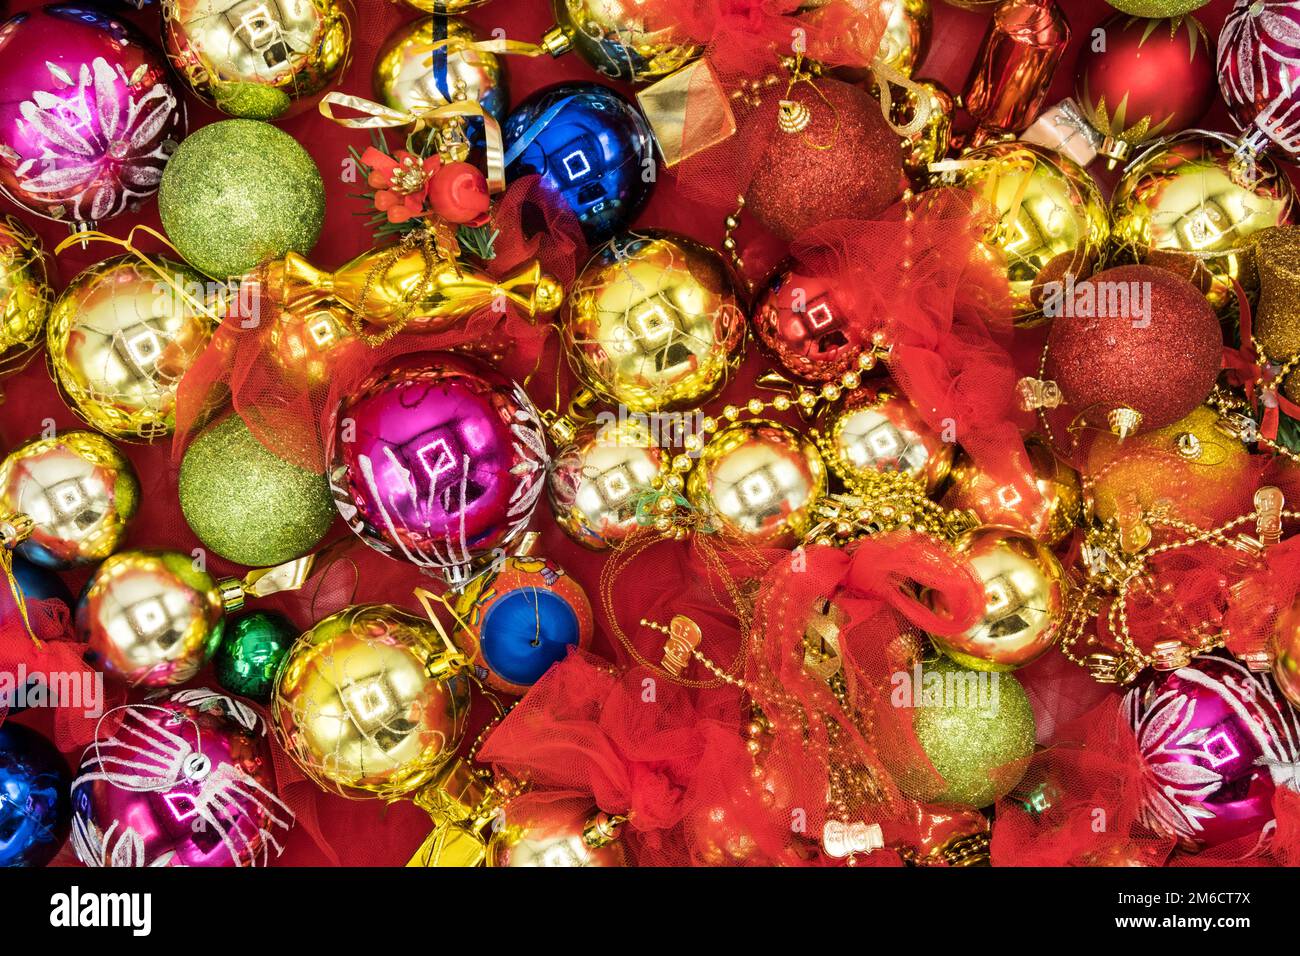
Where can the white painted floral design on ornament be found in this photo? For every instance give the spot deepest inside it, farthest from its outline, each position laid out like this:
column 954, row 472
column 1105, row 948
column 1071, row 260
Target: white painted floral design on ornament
column 101, row 149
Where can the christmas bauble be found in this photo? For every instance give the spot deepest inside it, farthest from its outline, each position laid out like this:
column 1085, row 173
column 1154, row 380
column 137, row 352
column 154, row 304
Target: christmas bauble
column 758, row 481
column 150, row 618
column 261, row 64
column 521, row 619
column 977, row 729
column 367, row 704
column 25, row 294
column 35, row 583
column 1183, row 204
column 247, row 503
column 620, row 42
column 252, row 647
column 305, row 343
column 1050, row 219
column 88, row 114
column 35, row 811
column 810, row 326
column 653, row 322
column 877, row 429
column 1139, row 79
column 120, row 339
column 844, row 162
column 240, row 193
column 1259, row 71
column 931, row 142
column 562, row 838
column 409, row 76
column 79, row 492
column 40, row 584
column 1048, row 520
column 1024, row 601
column 1134, row 348
column 602, row 483
column 1284, row 647
column 907, row 35
column 443, row 6
column 185, row 780
column 592, row 149
column 1275, row 258
column 438, row 460
column 1215, row 741
column 1156, row 8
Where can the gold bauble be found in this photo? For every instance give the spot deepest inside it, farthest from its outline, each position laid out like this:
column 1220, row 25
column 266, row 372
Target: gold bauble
column 150, row 618
column 79, row 492
column 258, row 60
column 906, row 36
column 443, row 6
column 369, row 702
column 1049, row 520
column 1050, row 216
column 1024, row 601
column 930, row 143
column 879, row 430
column 601, row 483
column 24, row 292
column 404, row 77
column 1191, row 471
column 758, row 481
column 1274, row 263
column 305, row 343
column 616, row 40
column 1183, row 204
column 120, row 339
column 1285, row 647
column 567, row 841
column 653, row 322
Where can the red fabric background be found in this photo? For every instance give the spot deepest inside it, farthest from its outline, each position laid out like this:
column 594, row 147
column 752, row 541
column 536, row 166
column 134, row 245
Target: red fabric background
column 369, row 832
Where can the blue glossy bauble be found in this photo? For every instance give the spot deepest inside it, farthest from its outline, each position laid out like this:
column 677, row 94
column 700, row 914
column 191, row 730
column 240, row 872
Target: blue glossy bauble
column 35, row 807
column 36, row 584
column 523, row 619
column 591, row 147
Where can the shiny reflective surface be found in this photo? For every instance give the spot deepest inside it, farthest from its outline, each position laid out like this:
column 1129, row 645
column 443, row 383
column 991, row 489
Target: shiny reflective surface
column 357, row 708
column 653, row 322
column 120, row 339
column 907, row 34
column 1051, row 218
column 619, row 41
column 24, row 291
column 553, row 843
column 758, row 480
column 34, row 806
column 601, row 482
column 80, row 493
column 256, row 58
column 878, row 430
column 1024, row 592
column 810, row 326
column 1048, row 520
column 437, row 460
column 1179, row 206
column 150, row 618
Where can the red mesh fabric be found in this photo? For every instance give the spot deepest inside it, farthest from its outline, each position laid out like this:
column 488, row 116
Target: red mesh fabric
column 284, row 385
column 920, row 275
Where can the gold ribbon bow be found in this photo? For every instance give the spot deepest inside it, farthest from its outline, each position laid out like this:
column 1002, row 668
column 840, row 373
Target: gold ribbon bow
column 886, row 76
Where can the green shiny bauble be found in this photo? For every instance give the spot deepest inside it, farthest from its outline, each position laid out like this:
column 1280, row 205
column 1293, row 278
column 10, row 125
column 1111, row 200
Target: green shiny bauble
column 248, row 504
column 250, row 653
column 240, row 193
column 978, row 732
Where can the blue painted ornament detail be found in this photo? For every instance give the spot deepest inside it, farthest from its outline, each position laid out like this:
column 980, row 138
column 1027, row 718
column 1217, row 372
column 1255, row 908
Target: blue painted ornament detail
column 35, row 807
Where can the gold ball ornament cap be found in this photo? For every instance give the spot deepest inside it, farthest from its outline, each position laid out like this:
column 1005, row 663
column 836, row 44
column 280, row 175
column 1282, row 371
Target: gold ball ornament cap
column 150, row 618
column 79, row 492
column 369, row 704
column 120, row 339
column 654, row 322
column 1025, row 591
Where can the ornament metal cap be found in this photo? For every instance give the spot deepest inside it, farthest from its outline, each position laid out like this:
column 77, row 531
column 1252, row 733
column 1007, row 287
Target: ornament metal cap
column 1124, row 421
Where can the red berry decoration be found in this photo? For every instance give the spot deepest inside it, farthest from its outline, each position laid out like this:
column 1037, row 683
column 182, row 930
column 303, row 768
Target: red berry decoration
column 834, row 157
column 1133, row 348
column 458, row 193
column 1150, row 78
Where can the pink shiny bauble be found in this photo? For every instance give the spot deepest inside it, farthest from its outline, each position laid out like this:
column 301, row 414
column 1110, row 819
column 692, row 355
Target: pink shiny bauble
column 1216, row 741
column 185, row 780
column 808, row 324
column 88, row 114
column 438, row 460
column 1259, row 72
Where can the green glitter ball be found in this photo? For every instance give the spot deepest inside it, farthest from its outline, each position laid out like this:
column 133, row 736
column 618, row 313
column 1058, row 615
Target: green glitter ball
column 1155, row 9
column 248, row 504
column 240, row 193
column 251, row 100
column 976, row 727
column 250, row 653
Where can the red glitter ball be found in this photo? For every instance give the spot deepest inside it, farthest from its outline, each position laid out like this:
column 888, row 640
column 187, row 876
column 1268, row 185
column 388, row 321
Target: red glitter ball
column 797, row 185
column 1134, row 337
